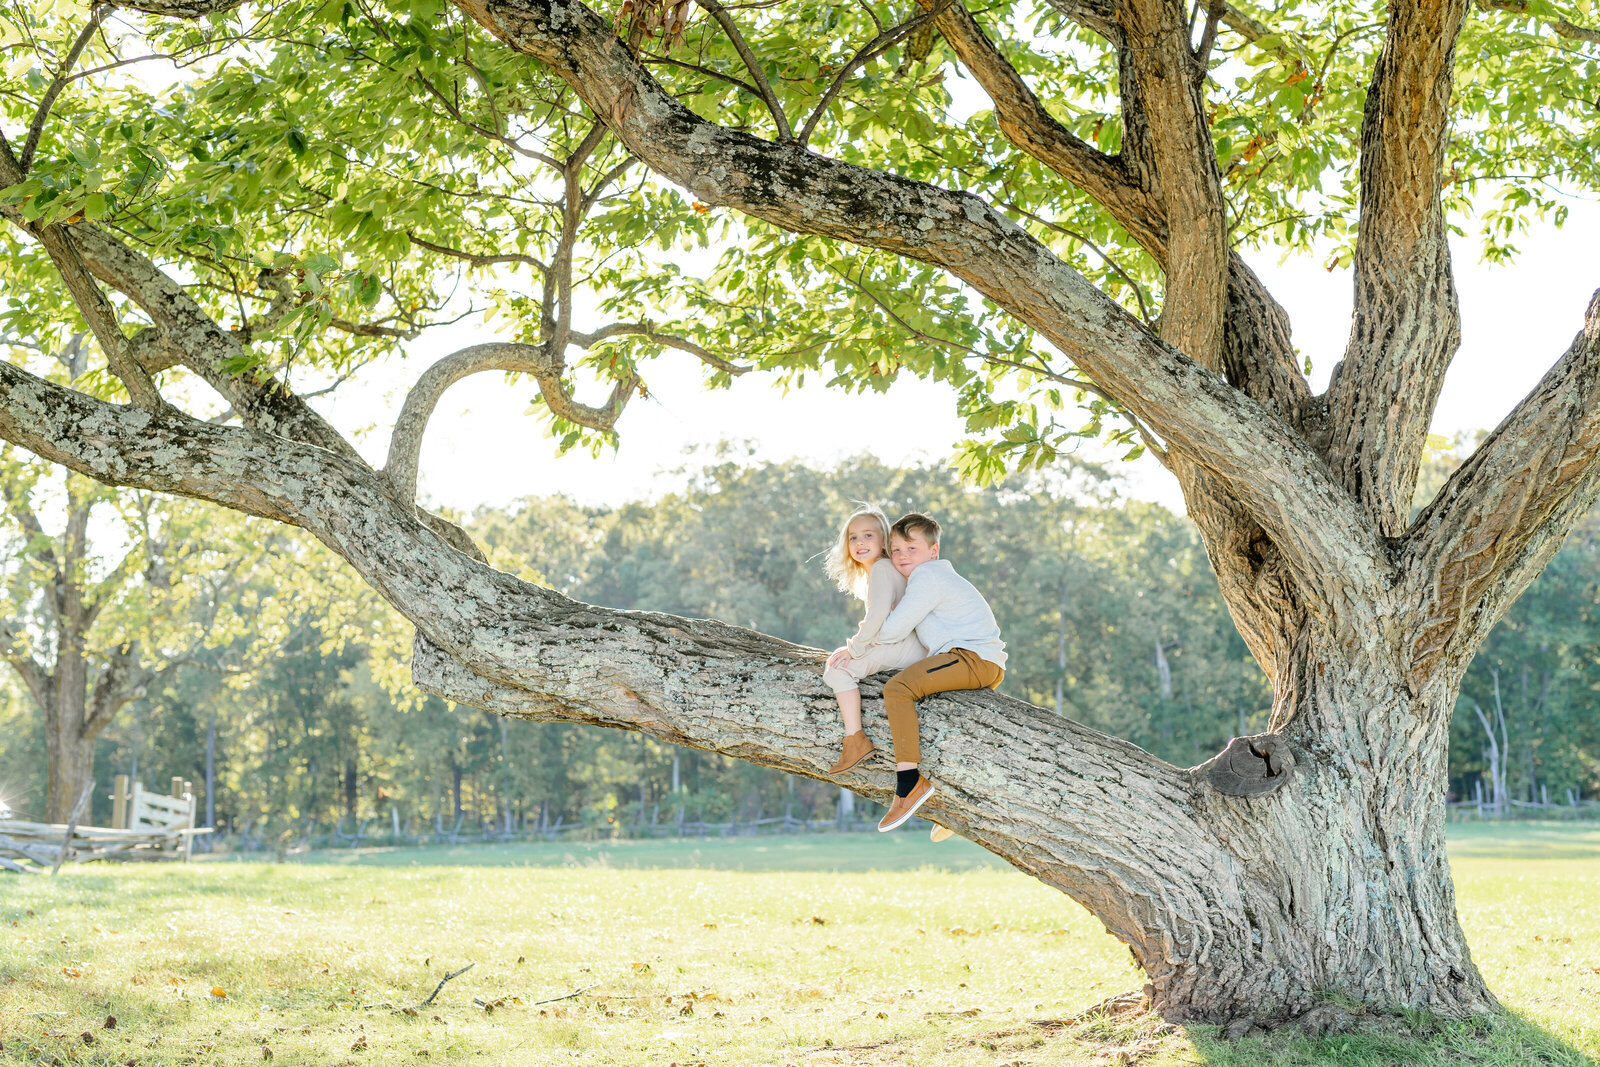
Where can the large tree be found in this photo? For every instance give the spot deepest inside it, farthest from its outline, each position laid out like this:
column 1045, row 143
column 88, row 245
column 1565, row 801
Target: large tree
column 132, row 588
column 298, row 197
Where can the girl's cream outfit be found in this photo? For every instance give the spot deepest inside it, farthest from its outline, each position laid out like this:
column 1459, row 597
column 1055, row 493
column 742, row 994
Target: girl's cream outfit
column 885, row 587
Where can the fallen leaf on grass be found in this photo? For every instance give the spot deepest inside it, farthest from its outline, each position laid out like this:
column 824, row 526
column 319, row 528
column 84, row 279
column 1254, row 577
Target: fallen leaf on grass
column 360, row 1044
column 218, row 993
column 641, row 968
column 110, row 1023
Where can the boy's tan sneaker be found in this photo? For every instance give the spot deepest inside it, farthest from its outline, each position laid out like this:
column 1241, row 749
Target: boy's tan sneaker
column 905, row 807
column 856, row 749
column 940, row 833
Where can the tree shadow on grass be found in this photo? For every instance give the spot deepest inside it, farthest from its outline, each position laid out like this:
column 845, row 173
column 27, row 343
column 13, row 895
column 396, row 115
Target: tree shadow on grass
column 845, row 852
column 1501, row 1040
column 1096, row 1037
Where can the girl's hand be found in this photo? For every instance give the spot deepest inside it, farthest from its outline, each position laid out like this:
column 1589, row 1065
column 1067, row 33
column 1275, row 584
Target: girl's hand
column 839, row 658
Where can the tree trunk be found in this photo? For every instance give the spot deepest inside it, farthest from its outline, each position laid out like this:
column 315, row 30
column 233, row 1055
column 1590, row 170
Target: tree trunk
column 70, row 755
column 351, row 790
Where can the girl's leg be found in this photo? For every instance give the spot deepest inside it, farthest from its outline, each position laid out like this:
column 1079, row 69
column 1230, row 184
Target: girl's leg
column 850, row 708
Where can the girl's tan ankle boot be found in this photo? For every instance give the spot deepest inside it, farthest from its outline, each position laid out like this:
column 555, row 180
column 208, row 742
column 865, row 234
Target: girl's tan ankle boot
column 856, row 749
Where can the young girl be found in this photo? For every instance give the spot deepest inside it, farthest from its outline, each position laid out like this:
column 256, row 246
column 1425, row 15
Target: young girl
column 859, row 562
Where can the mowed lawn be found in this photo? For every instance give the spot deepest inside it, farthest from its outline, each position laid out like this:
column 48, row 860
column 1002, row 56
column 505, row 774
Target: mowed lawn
column 832, row 949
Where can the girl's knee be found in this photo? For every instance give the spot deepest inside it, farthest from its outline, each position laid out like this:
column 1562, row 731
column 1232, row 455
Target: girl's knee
column 839, row 681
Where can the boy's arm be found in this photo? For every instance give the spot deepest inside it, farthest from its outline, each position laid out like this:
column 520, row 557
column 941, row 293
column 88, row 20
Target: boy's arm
column 920, row 599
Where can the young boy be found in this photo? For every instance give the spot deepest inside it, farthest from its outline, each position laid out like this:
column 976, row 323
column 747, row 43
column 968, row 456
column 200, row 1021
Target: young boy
column 954, row 622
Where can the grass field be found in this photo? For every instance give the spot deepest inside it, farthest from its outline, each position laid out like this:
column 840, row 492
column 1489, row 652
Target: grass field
column 809, row 951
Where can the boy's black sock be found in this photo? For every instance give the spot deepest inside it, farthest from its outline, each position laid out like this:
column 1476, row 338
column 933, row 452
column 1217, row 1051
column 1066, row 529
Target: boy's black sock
column 906, row 781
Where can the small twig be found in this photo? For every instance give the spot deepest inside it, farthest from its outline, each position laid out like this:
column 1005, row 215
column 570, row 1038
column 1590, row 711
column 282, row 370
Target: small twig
column 442, row 981
column 569, row 996
column 751, row 64
column 36, row 127
column 72, row 824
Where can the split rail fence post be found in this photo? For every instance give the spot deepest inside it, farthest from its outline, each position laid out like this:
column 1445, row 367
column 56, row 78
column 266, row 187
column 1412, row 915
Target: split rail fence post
column 119, row 802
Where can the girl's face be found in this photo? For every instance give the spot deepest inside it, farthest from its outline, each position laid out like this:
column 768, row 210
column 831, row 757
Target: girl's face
column 864, row 539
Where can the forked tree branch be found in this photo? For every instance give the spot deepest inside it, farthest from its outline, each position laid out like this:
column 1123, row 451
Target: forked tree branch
column 63, row 76
column 1156, row 51
column 120, row 681
column 1028, row 125
column 405, row 444
column 35, row 675
column 190, row 336
column 1258, row 355
column 752, row 64
column 1268, row 466
column 1559, row 26
column 1406, row 324
column 1504, row 512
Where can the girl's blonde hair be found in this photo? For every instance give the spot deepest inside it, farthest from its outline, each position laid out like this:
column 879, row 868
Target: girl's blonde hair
column 841, row 566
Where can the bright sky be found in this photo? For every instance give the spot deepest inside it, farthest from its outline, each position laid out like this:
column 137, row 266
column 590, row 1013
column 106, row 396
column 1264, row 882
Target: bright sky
column 483, row 448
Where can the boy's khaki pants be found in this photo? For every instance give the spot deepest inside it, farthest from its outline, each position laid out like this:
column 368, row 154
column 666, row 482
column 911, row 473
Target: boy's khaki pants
column 955, row 669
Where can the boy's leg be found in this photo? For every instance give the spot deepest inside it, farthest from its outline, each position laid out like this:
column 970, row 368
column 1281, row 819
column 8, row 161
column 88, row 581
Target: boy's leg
column 948, row 671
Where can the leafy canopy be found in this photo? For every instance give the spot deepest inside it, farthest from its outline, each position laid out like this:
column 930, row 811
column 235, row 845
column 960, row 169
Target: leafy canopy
column 333, row 178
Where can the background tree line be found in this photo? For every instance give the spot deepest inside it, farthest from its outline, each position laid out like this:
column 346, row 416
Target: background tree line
column 295, row 705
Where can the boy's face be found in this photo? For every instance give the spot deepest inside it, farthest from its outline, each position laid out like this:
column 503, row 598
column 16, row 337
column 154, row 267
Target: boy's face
column 909, row 553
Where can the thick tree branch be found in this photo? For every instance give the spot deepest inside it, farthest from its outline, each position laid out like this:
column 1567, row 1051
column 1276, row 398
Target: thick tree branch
column 180, row 9
column 1504, row 513
column 1156, row 51
column 1559, row 26
column 260, row 400
column 1078, row 822
column 1329, row 547
column 1406, row 325
column 1258, row 354
column 35, row 675
column 405, row 445
column 1028, row 125
column 120, row 681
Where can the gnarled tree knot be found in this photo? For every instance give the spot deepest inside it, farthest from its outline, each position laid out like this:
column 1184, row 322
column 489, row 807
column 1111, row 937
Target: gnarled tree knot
column 1249, row 766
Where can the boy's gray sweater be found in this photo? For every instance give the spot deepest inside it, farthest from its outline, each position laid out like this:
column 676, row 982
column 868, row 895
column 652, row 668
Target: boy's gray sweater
column 945, row 612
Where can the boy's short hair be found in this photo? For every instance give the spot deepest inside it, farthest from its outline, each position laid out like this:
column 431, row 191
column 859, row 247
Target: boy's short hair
column 914, row 522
